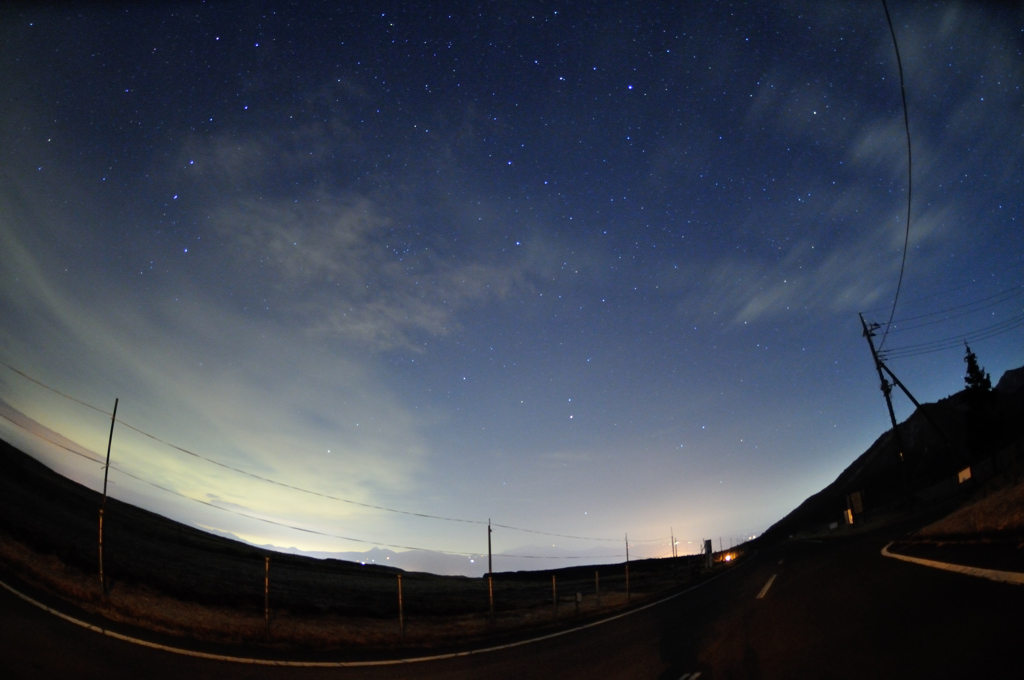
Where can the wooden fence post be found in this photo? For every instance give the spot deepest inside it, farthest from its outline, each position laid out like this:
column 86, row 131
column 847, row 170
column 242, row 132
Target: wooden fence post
column 266, row 593
column 401, row 610
column 597, row 586
column 554, row 594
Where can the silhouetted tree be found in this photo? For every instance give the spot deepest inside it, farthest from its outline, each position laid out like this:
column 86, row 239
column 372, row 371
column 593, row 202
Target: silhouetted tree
column 976, row 380
column 980, row 407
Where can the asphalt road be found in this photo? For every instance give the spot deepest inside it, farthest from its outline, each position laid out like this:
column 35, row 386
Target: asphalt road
column 832, row 610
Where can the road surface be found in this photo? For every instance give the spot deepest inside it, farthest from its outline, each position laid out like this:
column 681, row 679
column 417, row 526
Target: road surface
column 805, row 610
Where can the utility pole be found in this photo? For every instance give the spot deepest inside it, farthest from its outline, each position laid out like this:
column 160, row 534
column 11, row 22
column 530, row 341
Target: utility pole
column 869, row 335
column 103, row 503
column 627, row 567
column 490, row 571
column 921, row 409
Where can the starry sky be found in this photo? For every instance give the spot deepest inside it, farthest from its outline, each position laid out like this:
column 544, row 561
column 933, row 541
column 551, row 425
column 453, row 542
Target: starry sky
column 579, row 268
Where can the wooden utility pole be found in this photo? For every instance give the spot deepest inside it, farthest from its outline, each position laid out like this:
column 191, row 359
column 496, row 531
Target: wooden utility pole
column 627, row 567
column 869, row 335
column 921, row 410
column 490, row 571
column 103, row 502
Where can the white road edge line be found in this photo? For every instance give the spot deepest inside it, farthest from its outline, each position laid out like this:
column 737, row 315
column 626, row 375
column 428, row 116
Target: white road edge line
column 764, row 591
column 340, row 664
column 1014, row 577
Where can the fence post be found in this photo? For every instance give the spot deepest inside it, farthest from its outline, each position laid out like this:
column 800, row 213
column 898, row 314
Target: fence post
column 597, row 587
column 266, row 593
column 103, row 582
column 401, row 610
column 554, row 594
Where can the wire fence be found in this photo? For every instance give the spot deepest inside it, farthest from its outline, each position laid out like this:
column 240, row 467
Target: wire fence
column 56, row 516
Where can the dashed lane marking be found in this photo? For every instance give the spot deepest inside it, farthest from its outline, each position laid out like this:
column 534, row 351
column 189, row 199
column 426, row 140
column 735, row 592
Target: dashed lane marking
column 764, row 591
column 690, row 676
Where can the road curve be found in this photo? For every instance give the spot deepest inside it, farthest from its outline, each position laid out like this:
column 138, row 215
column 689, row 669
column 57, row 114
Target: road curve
column 833, row 610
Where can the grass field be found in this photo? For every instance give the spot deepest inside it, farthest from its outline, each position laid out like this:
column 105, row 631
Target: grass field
column 169, row 577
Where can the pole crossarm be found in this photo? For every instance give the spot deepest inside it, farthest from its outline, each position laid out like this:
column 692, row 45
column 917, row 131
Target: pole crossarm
column 869, row 335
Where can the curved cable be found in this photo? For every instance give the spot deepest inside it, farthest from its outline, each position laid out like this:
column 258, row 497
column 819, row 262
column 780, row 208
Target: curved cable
column 910, row 174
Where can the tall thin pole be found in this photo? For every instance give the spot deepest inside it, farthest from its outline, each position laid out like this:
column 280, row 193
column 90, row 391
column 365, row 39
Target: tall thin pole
column 869, row 334
column 920, row 409
column 554, row 594
column 490, row 571
column 103, row 502
column 627, row 567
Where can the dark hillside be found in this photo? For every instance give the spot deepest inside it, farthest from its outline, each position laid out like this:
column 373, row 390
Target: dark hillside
column 56, row 516
column 938, row 446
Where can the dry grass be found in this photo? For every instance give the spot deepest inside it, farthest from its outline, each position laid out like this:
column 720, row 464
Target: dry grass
column 141, row 606
column 1001, row 513
column 171, row 578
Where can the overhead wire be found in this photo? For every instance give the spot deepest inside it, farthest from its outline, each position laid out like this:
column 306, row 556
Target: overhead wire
column 137, row 478
column 963, row 310
column 944, row 292
column 910, row 174
column 950, row 342
column 309, row 491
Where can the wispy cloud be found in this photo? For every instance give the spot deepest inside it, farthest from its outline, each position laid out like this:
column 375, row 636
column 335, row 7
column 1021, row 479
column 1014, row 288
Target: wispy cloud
column 338, row 265
column 219, row 384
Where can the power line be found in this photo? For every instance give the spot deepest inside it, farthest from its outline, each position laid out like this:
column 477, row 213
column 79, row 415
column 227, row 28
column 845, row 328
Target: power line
column 292, row 526
column 946, row 291
column 968, row 309
column 958, row 339
column 932, row 346
column 910, row 173
column 56, row 391
column 57, row 444
column 309, row 491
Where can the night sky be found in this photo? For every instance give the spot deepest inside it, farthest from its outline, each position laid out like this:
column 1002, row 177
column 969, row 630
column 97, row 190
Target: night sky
column 586, row 269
